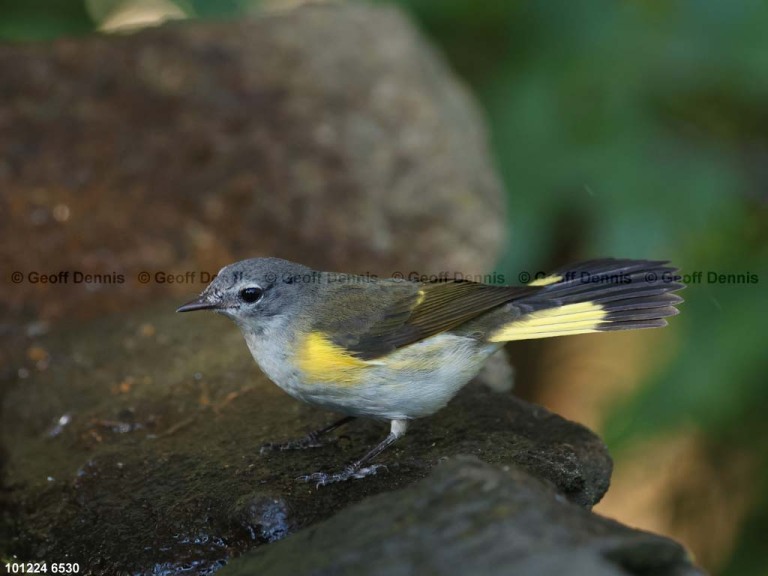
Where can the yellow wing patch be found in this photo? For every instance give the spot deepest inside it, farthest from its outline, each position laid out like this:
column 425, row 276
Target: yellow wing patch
column 570, row 319
column 323, row 361
column 546, row 281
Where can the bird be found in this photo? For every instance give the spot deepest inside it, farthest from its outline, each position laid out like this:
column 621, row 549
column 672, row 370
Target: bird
column 396, row 350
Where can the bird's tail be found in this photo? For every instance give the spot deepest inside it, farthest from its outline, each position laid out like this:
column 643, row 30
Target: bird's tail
column 595, row 296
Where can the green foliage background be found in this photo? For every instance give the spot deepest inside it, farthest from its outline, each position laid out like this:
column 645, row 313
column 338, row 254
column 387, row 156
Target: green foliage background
column 637, row 129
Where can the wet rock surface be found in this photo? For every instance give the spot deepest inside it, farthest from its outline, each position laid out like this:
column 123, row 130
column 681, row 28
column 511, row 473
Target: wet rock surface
column 137, row 447
column 469, row 517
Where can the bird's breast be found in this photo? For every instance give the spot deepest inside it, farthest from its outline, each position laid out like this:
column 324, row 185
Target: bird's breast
column 413, row 381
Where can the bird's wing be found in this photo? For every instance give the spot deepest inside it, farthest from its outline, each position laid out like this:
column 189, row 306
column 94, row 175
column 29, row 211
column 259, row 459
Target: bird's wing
column 399, row 314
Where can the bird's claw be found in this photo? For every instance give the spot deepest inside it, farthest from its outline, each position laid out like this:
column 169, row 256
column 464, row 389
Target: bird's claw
column 325, row 478
column 301, row 444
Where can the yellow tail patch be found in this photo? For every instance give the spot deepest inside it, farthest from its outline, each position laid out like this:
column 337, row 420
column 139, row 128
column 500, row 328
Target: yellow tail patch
column 323, row 361
column 565, row 320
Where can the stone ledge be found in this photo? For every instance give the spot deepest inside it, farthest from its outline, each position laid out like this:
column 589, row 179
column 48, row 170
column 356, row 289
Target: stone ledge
column 468, row 517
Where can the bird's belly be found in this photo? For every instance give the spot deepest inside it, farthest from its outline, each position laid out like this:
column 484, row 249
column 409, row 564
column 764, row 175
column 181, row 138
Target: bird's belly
column 412, row 382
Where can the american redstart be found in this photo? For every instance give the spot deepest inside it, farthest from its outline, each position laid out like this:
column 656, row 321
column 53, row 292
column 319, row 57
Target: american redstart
column 397, row 350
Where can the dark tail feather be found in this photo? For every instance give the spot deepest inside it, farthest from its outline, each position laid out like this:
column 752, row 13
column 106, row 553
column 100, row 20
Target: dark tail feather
column 596, row 296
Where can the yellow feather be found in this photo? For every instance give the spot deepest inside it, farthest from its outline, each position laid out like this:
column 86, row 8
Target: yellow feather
column 565, row 320
column 546, row 281
column 323, row 361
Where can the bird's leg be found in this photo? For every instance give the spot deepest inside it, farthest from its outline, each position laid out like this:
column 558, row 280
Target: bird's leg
column 358, row 469
column 311, row 440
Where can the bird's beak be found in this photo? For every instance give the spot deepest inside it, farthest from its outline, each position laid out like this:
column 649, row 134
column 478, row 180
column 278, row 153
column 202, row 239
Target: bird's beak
column 199, row 303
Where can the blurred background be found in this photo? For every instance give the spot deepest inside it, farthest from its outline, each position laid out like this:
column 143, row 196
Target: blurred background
column 629, row 130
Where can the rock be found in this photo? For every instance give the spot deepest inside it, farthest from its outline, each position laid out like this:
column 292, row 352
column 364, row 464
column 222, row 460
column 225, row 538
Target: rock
column 136, row 447
column 468, row 517
column 187, row 147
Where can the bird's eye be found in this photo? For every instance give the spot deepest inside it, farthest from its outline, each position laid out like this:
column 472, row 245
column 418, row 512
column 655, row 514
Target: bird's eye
column 251, row 294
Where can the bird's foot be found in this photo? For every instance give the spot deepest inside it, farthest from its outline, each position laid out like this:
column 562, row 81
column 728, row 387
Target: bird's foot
column 309, row 441
column 312, row 440
column 351, row 471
